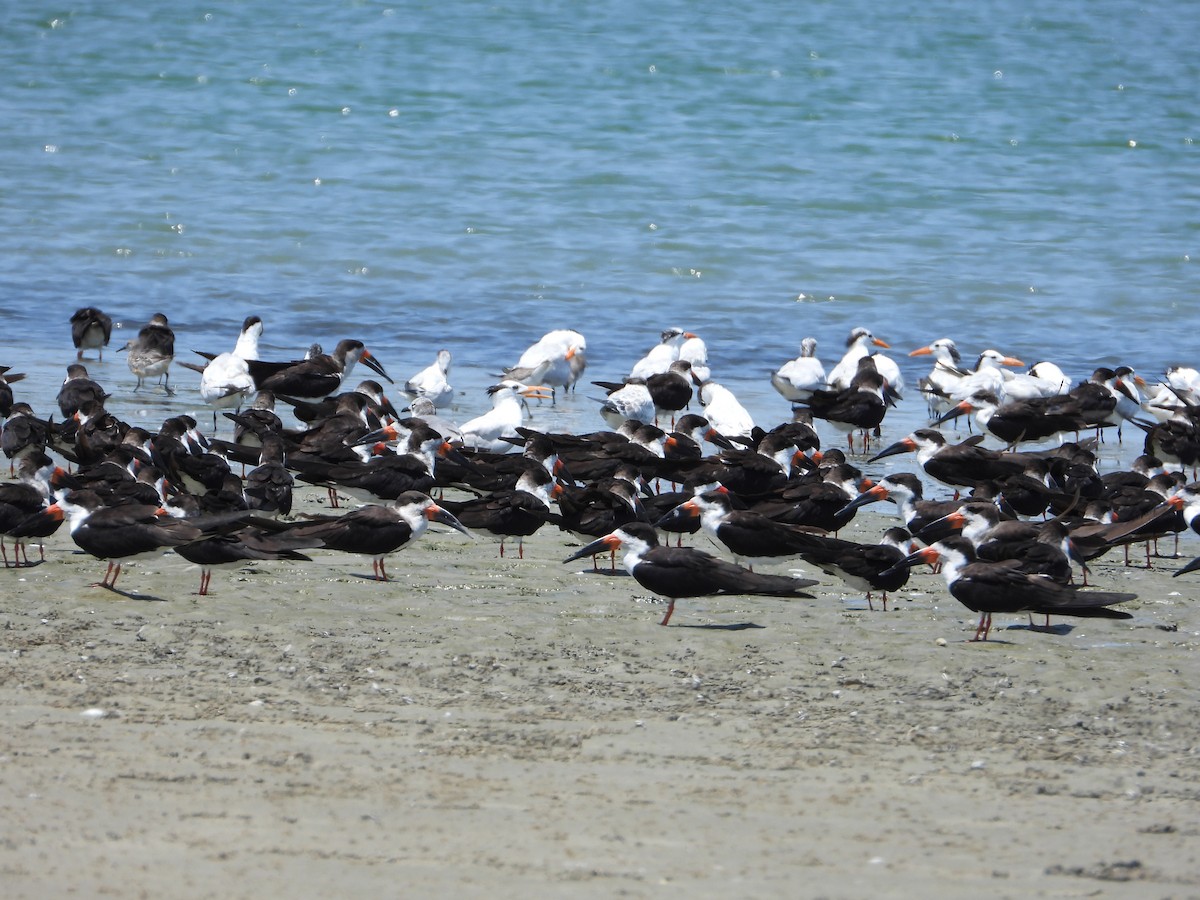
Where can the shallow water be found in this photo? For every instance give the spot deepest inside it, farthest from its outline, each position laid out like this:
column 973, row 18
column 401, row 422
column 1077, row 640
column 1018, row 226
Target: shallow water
column 472, row 176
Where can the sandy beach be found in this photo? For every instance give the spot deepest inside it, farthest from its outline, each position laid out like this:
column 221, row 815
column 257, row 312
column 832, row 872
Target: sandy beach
column 504, row 727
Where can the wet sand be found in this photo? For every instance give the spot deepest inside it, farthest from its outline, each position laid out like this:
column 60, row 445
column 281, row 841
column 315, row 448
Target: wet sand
column 503, row 727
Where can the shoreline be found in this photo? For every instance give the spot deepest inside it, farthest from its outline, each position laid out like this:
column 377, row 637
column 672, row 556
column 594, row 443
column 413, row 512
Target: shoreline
column 500, row 726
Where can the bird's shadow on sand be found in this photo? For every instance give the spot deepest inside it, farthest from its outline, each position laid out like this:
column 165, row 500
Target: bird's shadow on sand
column 129, row 595
column 1061, row 629
column 737, row 626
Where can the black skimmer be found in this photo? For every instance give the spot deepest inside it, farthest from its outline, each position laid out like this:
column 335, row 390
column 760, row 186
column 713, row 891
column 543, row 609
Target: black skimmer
column 557, row 359
column 906, row 491
column 495, row 429
column 18, row 502
column 120, row 533
column 7, row 379
column 820, row 500
column 516, row 512
column 90, row 330
column 332, row 439
column 149, row 355
column 482, row 472
column 1126, row 387
column 77, row 389
column 1017, row 421
column 385, row 477
column 24, row 434
column 1039, row 548
column 1187, row 501
column 23, row 504
column 751, row 472
column 250, row 543
column 318, row 376
column 249, row 425
column 97, row 434
column 1029, row 494
column 377, row 530
column 185, row 463
column 268, row 486
column 602, row 506
column 860, row 407
column 857, row 346
column 671, row 390
column 746, row 534
column 796, row 379
column 1176, row 440
column 865, row 567
column 676, row 572
column 959, row 465
column 988, row 588
column 378, row 408
column 432, row 383
column 699, row 431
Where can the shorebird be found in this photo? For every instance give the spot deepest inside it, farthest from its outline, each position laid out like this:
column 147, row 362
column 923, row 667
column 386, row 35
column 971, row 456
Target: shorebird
column 796, row 379
column 118, row 534
column 376, row 530
column 557, row 359
column 247, row 544
column 494, row 429
column 431, row 383
column 676, row 572
column 988, row 588
column 318, row 375
column 226, row 382
column 90, row 330
column 149, row 355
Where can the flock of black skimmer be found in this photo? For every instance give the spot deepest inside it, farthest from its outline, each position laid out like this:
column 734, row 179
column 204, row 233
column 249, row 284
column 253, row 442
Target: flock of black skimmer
column 1013, row 531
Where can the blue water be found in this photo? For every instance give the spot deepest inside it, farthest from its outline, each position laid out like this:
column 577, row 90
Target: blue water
column 470, row 175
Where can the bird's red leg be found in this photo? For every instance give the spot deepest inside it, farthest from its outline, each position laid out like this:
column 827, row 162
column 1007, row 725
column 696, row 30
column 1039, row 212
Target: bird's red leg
column 107, row 572
column 984, row 626
column 870, row 605
column 667, row 617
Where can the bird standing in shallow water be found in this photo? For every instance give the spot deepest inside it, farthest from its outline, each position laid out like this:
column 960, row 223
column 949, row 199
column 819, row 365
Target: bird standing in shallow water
column 90, row 330
column 150, row 354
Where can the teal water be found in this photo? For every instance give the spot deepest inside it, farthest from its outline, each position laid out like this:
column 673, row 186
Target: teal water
column 470, row 175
